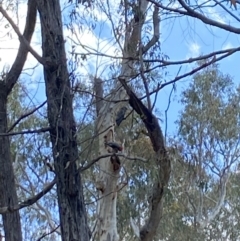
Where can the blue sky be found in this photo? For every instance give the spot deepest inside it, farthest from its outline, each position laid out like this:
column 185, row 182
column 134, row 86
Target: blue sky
column 181, row 38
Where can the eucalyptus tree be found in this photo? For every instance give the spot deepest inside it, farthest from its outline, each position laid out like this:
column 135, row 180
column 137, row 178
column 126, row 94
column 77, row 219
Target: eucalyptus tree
column 8, row 198
column 31, row 154
column 208, row 151
column 62, row 126
column 73, row 218
column 133, row 48
column 134, row 30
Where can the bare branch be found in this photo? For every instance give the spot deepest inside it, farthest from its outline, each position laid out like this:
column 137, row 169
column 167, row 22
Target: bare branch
column 24, row 40
column 29, row 201
column 37, row 131
column 155, row 37
column 81, row 169
column 164, row 62
column 46, row 234
column 214, row 60
column 144, row 79
column 222, row 194
column 107, row 194
column 190, row 12
column 155, row 98
column 225, row 9
column 19, row 62
column 25, row 115
column 166, row 111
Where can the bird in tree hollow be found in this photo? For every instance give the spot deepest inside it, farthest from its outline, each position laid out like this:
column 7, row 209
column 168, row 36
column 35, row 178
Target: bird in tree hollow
column 115, row 162
column 115, row 146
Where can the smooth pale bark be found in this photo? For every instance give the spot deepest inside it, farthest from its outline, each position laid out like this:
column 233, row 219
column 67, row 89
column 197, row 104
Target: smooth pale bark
column 107, row 187
column 73, row 218
column 107, row 180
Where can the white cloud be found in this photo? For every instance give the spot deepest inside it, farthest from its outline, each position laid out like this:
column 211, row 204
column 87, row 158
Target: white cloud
column 97, row 49
column 213, row 14
column 9, row 42
column 193, row 50
column 228, row 45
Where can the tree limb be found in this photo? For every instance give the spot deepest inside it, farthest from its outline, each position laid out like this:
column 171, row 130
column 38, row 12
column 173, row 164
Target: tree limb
column 19, row 62
column 193, row 71
column 162, row 61
column 162, row 161
column 190, row 12
column 222, row 194
column 156, row 31
column 24, row 47
column 29, row 201
column 81, row 169
column 25, row 115
column 46, row 234
column 37, row 131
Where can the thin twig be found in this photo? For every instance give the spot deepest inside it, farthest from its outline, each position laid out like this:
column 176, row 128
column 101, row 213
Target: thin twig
column 46, row 234
column 81, row 169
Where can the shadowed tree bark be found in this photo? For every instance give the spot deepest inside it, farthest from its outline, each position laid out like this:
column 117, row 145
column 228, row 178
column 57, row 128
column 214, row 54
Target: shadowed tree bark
column 73, row 219
column 162, row 160
column 8, row 197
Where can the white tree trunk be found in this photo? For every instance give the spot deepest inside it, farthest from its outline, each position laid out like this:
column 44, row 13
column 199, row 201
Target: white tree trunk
column 204, row 221
column 107, row 180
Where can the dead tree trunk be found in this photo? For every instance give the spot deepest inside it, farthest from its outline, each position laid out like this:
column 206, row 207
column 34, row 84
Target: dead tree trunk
column 73, row 218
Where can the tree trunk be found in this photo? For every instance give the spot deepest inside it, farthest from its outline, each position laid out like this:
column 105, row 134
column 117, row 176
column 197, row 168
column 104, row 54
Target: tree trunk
column 8, row 197
column 107, row 180
column 73, row 218
column 106, row 184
